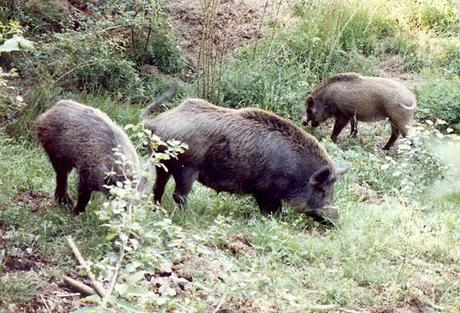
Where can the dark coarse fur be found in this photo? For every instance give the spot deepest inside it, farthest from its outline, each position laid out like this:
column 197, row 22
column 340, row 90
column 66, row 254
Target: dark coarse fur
column 78, row 136
column 352, row 97
column 247, row 151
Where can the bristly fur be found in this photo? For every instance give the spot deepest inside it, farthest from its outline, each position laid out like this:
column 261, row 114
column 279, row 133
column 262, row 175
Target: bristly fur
column 245, row 151
column 350, row 97
column 78, row 136
column 289, row 129
column 337, row 78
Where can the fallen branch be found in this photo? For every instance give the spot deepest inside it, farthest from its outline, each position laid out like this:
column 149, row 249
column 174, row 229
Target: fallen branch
column 97, row 287
column 79, row 286
column 46, row 305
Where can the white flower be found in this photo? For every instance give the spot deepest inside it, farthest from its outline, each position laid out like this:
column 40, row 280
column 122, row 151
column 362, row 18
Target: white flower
column 429, row 122
column 19, row 98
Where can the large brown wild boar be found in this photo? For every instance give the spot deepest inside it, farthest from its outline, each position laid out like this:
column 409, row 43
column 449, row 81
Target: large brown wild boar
column 246, row 151
column 78, row 136
column 352, row 97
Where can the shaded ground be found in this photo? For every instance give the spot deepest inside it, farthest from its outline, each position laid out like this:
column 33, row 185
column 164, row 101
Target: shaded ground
column 34, row 200
column 51, row 297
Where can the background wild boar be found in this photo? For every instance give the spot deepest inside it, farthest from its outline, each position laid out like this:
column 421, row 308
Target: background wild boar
column 352, row 97
column 247, row 151
column 76, row 135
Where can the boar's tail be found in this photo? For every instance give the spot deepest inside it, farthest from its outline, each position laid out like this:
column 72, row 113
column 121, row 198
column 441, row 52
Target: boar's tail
column 411, row 106
column 168, row 94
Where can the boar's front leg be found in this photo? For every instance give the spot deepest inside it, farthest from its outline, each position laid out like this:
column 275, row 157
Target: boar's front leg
column 61, row 195
column 268, row 205
column 184, row 179
column 394, row 136
column 160, row 184
column 62, row 172
column 84, row 194
column 339, row 124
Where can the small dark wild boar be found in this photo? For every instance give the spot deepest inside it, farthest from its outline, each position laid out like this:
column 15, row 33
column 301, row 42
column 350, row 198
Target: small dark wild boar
column 352, row 97
column 246, row 151
column 78, row 136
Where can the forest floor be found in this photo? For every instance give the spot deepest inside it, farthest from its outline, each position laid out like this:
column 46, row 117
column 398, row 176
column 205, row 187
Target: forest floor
column 395, row 250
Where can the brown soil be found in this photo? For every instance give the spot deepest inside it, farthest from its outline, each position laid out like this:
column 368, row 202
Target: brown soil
column 24, row 260
column 51, row 298
column 34, row 200
column 413, row 305
column 247, row 306
column 237, row 23
column 239, row 244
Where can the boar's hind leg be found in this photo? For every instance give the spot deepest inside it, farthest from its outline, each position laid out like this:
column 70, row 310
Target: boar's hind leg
column 394, row 135
column 84, row 194
column 339, row 124
column 268, row 205
column 160, row 184
column 184, row 180
column 62, row 172
column 354, row 127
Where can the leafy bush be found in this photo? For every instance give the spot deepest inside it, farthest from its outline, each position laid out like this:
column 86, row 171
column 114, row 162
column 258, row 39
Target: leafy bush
column 439, row 98
column 439, row 16
column 105, row 50
column 11, row 42
column 143, row 239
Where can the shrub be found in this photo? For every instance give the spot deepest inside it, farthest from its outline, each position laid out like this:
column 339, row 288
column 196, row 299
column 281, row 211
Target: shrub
column 439, row 98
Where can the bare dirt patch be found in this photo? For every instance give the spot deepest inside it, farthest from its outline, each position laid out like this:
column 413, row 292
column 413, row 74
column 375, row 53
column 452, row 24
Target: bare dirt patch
column 239, row 244
column 247, row 305
column 35, row 201
column 51, row 298
column 237, row 22
column 365, row 193
column 24, row 260
column 413, row 305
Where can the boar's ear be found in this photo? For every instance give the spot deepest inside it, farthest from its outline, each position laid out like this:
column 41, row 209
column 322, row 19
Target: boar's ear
column 309, row 103
column 342, row 170
column 321, row 177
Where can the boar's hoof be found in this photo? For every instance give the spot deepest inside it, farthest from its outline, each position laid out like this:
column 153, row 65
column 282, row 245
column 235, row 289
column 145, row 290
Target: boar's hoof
column 65, row 200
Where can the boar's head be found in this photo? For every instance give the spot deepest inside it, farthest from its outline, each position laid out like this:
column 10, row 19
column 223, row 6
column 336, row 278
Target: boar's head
column 315, row 112
column 316, row 200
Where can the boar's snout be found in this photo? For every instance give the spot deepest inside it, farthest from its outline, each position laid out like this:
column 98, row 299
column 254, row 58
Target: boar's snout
column 326, row 215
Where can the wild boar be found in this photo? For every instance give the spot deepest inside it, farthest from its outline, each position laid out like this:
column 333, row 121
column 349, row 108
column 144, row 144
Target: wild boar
column 78, row 136
column 352, row 97
column 246, row 151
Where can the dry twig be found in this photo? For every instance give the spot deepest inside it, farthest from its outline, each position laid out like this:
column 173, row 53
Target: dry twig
column 97, row 287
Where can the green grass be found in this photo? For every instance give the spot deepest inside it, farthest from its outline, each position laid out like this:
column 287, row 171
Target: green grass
column 397, row 242
column 385, row 246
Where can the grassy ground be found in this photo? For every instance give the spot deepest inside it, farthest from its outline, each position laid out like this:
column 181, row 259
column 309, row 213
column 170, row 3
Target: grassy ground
column 397, row 246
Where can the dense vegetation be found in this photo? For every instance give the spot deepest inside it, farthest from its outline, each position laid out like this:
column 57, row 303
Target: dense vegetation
column 397, row 244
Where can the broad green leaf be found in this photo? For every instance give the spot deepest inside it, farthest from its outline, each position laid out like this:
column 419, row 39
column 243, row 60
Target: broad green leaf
column 136, row 277
column 16, row 43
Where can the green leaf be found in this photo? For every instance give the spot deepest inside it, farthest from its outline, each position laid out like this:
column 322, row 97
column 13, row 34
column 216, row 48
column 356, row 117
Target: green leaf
column 136, row 277
column 16, row 43
column 140, row 292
